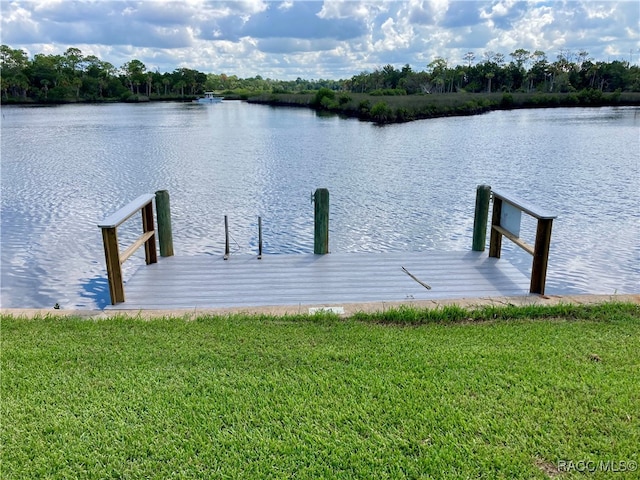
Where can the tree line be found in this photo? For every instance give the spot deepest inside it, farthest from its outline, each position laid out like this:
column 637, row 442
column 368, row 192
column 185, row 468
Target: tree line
column 73, row 76
column 526, row 72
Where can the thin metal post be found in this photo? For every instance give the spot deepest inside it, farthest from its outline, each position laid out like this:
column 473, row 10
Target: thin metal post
column 259, row 238
column 483, row 194
column 226, row 238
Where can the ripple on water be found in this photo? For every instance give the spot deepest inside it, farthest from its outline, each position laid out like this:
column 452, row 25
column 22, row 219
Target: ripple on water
column 405, row 187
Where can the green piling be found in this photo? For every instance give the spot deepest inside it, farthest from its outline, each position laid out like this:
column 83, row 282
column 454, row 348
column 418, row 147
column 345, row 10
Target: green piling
column 321, row 222
column 163, row 212
column 483, row 194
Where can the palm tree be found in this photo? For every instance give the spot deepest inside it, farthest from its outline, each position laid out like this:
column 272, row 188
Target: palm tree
column 45, row 87
column 489, row 76
column 77, row 83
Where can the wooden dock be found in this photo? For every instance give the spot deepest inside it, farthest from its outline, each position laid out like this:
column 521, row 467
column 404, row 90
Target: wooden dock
column 208, row 281
column 322, row 279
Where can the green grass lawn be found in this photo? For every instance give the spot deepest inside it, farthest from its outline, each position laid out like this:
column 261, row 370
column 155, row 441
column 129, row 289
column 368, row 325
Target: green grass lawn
column 498, row 393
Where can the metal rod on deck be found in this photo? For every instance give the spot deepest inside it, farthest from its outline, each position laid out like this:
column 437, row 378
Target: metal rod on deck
column 259, row 238
column 226, row 238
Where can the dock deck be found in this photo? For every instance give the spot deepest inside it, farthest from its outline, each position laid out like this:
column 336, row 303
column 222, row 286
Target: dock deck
column 208, row 281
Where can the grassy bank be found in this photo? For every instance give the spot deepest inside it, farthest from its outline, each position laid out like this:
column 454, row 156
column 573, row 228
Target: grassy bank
column 496, row 392
column 404, row 108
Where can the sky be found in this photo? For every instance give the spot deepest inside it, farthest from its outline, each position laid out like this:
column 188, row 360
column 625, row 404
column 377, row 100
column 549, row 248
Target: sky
column 333, row 39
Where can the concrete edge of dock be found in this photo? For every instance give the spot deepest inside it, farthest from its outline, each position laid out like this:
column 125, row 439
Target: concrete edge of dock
column 344, row 310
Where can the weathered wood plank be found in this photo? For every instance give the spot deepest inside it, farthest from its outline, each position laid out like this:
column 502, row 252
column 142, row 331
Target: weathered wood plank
column 541, row 256
column 517, row 240
column 112, row 259
column 523, row 205
column 124, row 256
column 209, row 281
column 117, row 218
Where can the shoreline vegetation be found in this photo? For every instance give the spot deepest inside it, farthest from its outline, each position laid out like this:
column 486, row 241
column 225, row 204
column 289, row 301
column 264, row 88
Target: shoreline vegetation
column 383, row 109
column 386, row 109
column 498, row 391
column 384, row 95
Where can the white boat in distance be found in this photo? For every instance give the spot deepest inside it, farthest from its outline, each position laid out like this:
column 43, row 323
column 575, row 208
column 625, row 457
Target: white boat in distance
column 209, row 97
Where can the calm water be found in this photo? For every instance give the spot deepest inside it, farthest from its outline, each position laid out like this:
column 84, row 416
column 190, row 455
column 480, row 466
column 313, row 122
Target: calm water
column 393, row 188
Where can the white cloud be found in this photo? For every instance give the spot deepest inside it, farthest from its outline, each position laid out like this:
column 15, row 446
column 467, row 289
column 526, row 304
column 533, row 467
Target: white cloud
column 426, row 11
column 341, row 9
column 527, row 33
column 310, row 39
column 395, row 36
column 285, row 5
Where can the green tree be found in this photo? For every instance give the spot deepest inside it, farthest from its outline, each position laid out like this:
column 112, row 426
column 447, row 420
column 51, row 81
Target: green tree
column 469, row 57
column 134, row 71
column 438, row 71
column 73, row 60
column 13, row 66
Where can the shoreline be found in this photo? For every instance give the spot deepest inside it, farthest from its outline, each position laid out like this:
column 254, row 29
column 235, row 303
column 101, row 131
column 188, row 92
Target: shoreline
column 389, row 109
column 343, row 310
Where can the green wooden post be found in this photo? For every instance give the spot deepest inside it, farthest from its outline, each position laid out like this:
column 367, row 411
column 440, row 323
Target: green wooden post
column 321, row 222
column 163, row 211
column 483, row 194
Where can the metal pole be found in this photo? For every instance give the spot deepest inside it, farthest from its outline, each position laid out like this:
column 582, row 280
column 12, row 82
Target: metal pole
column 259, row 238
column 226, row 238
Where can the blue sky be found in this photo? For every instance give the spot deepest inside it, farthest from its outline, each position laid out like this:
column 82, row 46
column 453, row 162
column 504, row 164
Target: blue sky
column 333, row 39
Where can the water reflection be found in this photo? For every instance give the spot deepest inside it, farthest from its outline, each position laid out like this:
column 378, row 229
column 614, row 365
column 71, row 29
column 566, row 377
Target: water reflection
column 96, row 291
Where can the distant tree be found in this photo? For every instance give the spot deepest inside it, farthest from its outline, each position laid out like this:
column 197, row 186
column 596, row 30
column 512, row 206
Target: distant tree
column 13, row 64
column 438, row 71
column 469, row 57
column 45, row 87
column 520, row 57
column 179, row 87
column 489, row 76
column 73, row 76
column 134, row 71
column 73, row 60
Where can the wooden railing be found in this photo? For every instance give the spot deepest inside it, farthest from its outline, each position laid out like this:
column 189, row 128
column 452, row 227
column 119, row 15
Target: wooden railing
column 112, row 254
column 505, row 222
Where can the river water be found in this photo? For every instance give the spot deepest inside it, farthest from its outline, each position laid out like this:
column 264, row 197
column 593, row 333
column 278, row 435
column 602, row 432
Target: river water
column 406, row 187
